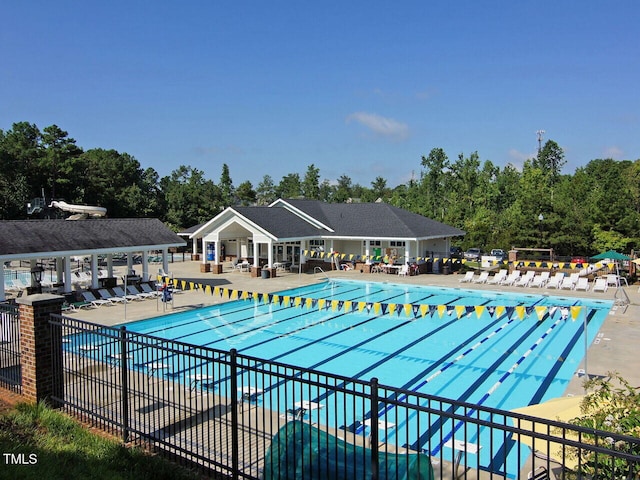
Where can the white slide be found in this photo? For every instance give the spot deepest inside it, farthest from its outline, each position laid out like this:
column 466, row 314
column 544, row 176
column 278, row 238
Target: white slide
column 82, row 209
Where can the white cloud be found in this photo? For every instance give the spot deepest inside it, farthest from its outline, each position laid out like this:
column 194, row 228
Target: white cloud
column 385, row 127
column 612, row 152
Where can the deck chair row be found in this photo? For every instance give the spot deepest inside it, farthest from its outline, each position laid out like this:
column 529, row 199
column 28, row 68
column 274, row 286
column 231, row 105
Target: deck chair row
column 118, row 296
column 541, row 280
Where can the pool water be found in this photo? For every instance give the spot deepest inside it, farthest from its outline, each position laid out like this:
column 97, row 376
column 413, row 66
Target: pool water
column 496, row 349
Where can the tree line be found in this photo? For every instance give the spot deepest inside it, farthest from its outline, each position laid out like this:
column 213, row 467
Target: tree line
column 596, row 208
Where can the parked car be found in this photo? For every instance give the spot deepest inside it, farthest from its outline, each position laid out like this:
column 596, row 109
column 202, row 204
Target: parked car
column 500, row 254
column 456, row 252
column 473, row 254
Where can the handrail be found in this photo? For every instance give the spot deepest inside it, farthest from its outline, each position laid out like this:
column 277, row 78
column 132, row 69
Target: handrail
column 319, row 269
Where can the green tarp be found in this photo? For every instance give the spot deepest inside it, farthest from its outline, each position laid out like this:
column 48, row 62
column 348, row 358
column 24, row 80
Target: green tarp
column 300, row 450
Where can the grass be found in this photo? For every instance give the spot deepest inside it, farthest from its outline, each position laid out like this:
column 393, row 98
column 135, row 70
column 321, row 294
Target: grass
column 53, row 445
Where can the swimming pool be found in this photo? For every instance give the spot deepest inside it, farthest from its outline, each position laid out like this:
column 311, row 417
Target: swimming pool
column 496, row 349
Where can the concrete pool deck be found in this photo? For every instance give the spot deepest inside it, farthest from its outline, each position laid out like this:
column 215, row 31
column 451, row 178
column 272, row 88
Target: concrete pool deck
column 614, row 348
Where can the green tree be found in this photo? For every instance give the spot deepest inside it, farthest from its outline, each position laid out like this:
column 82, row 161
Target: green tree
column 226, row 187
column 433, row 184
column 289, row 187
column 59, row 163
column 191, row 199
column 379, row 188
column 612, row 405
column 20, row 151
column 343, row 190
column 310, row 184
column 266, row 191
column 246, row 194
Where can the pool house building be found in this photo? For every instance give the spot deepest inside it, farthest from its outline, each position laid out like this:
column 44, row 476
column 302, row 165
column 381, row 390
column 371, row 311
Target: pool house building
column 291, row 233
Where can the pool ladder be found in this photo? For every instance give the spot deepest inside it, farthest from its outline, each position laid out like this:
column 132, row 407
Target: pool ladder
column 319, row 269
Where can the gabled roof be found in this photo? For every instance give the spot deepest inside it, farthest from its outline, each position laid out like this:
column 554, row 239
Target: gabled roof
column 279, row 222
column 50, row 238
column 291, row 219
column 374, row 220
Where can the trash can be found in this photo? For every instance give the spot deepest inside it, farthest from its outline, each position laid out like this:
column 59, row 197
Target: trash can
column 446, row 270
column 266, row 273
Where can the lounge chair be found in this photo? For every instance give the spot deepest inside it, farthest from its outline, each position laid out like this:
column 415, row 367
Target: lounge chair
column 106, row 295
column 512, row 278
column 555, row 281
column 541, row 280
column 92, row 300
column 468, row 277
column 132, row 290
column 482, row 278
column 600, row 285
column 582, row 284
column 498, row 277
column 526, row 279
column 146, row 288
column 570, row 282
column 119, row 292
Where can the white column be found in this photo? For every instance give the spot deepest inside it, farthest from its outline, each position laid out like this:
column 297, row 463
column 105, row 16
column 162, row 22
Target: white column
column 94, row 271
column 110, row 265
column 145, row 266
column 59, row 270
column 270, row 253
column 68, row 287
column 165, row 260
column 2, row 294
column 129, row 263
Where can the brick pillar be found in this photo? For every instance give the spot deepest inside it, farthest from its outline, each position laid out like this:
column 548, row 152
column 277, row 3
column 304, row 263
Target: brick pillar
column 40, row 349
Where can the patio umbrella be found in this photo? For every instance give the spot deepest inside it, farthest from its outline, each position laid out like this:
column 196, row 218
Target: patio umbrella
column 561, row 409
column 613, row 256
column 610, row 254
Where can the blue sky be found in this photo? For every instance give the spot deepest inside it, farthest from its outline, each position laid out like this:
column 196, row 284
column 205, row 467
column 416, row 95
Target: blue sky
column 362, row 89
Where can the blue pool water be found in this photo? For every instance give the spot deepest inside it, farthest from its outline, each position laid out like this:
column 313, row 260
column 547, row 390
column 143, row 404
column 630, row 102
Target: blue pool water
column 502, row 350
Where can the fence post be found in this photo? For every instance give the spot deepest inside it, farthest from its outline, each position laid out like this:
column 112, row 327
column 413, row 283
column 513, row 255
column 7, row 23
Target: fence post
column 373, row 420
column 124, row 376
column 235, row 455
column 41, row 348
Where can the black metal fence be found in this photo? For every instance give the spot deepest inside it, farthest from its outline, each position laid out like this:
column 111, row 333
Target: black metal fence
column 244, row 417
column 10, row 364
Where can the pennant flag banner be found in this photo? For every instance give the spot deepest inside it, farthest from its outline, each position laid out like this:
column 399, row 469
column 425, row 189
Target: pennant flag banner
column 407, row 310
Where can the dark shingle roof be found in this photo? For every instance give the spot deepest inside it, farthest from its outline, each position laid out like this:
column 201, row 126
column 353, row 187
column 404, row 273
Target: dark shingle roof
column 279, row 222
column 374, row 220
column 48, row 237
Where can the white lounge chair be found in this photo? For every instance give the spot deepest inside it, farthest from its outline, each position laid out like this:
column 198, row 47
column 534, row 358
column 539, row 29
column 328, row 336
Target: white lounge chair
column 600, row 285
column 570, row 282
column 106, row 295
column 132, row 290
column 497, row 278
column 482, row 278
column 119, row 292
column 541, row 280
column 582, row 284
column 468, row 277
column 146, row 288
column 91, row 299
column 525, row 280
column 556, row 280
column 512, row 278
